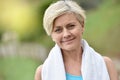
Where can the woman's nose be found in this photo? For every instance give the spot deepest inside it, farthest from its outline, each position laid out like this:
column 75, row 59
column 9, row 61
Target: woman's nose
column 66, row 33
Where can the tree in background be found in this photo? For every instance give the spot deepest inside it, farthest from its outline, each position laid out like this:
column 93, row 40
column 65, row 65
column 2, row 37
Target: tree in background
column 23, row 17
column 89, row 4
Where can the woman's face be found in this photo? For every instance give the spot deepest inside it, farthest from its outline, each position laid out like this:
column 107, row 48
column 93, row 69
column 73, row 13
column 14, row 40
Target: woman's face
column 67, row 31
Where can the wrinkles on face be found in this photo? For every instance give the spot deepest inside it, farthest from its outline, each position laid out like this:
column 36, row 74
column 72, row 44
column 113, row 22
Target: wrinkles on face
column 67, row 31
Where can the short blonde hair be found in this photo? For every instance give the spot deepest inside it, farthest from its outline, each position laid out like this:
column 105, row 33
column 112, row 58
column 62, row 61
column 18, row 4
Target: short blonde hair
column 59, row 8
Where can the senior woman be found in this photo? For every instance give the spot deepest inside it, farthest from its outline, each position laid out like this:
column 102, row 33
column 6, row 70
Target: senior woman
column 71, row 58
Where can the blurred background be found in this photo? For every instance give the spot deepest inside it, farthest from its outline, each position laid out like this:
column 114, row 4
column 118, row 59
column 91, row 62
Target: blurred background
column 24, row 45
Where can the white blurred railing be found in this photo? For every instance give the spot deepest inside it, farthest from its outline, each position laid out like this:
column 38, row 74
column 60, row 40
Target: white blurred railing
column 10, row 46
column 33, row 50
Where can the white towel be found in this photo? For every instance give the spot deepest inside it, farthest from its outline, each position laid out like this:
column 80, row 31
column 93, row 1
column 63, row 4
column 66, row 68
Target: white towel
column 93, row 65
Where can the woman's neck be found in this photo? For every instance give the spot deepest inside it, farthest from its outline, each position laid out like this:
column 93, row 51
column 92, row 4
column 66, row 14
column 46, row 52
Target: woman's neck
column 72, row 61
column 74, row 55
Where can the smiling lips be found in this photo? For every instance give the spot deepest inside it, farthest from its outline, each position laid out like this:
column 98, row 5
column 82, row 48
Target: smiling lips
column 68, row 41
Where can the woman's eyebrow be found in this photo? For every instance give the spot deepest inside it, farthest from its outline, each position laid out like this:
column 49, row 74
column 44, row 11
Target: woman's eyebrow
column 71, row 23
column 57, row 27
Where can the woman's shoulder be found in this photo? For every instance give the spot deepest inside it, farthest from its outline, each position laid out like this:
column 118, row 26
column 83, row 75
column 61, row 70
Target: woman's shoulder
column 111, row 68
column 107, row 60
column 38, row 73
column 109, row 63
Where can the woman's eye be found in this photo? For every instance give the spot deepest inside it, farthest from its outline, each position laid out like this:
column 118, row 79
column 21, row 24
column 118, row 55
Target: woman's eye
column 71, row 26
column 58, row 30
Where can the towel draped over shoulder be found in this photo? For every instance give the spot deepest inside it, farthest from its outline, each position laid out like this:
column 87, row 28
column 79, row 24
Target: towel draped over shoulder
column 93, row 65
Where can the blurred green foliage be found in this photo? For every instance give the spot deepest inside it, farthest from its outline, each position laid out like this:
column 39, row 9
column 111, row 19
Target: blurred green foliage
column 102, row 27
column 26, row 20
column 18, row 68
column 101, row 31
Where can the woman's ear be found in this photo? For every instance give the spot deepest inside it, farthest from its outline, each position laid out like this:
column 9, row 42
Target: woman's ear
column 82, row 24
column 82, row 30
column 52, row 38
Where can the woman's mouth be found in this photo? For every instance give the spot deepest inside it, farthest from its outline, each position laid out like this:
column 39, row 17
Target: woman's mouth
column 68, row 41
